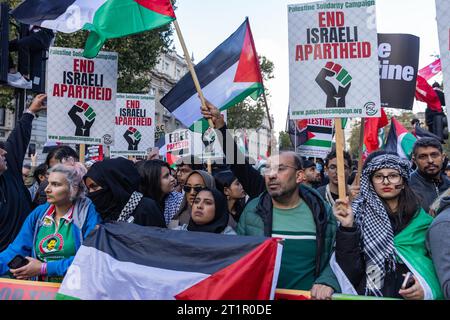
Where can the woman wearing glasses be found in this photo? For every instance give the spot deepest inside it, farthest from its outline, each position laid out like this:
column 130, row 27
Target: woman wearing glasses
column 195, row 182
column 382, row 235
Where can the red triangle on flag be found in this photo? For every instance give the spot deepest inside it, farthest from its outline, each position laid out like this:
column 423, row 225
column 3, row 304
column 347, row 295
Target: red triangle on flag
column 311, row 135
column 163, row 7
column 249, row 278
column 399, row 128
column 248, row 69
column 171, row 159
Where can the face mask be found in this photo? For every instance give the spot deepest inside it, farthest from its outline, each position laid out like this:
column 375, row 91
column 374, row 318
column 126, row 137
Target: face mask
column 319, row 167
column 104, row 204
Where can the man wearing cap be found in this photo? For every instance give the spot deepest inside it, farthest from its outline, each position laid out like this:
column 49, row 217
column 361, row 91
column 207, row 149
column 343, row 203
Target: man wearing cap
column 15, row 199
column 312, row 175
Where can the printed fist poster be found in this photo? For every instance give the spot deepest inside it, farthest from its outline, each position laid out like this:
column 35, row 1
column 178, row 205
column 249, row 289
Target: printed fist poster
column 134, row 133
column 81, row 97
column 333, row 60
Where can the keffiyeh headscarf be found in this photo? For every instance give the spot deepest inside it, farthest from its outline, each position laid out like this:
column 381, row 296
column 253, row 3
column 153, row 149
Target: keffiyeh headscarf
column 373, row 222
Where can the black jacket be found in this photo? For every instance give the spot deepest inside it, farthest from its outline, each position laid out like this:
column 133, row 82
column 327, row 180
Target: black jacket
column 427, row 191
column 15, row 199
column 351, row 259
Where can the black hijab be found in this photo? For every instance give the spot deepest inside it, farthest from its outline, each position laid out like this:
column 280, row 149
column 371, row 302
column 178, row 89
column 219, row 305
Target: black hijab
column 220, row 221
column 119, row 179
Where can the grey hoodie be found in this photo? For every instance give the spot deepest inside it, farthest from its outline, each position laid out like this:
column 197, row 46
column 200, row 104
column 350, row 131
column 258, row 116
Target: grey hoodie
column 184, row 214
column 438, row 243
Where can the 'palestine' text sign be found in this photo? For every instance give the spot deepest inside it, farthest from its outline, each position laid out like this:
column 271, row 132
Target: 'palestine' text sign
column 333, row 60
column 135, row 125
column 81, row 96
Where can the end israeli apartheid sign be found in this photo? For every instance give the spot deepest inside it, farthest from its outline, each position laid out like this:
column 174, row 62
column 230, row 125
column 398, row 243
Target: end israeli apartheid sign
column 134, row 133
column 443, row 21
column 333, row 60
column 81, row 96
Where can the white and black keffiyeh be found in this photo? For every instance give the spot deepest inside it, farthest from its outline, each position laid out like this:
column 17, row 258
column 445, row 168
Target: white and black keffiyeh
column 128, row 209
column 373, row 222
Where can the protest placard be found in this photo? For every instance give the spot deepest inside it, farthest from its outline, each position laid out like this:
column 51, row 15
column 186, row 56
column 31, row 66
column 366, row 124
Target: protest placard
column 134, row 133
column 334, row 68
column 81, row 96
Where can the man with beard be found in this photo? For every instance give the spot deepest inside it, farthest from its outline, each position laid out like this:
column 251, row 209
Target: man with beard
column 286, row 209
column 429, row 180
column 15, row 199
column 312, row 175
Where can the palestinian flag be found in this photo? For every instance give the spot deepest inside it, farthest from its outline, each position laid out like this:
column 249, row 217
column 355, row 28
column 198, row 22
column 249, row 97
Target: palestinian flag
column 227, row 76
column 122, row 261
column 298, row 132
column 400, row 140
column 372, row 129
column 104, row 19
column 314, row 136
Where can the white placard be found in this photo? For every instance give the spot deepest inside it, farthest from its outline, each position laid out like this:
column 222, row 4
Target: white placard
column 333, row 60
column 81, row 96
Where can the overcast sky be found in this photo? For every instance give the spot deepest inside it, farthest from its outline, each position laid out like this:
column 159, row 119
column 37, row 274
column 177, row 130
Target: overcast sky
column 206, row 23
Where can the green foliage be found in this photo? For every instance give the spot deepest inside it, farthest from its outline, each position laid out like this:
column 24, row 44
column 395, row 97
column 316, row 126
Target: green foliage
column 138, row 54
column 284, row 141
column 404, row 117
column 250, row 114
column 354, row 138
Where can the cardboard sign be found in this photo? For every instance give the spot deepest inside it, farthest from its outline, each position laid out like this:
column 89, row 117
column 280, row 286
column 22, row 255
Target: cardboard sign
column 11, row 289
column 316, row 137
column 81, row 96
column 399, row 63
column 333, row 60
column 134, row 133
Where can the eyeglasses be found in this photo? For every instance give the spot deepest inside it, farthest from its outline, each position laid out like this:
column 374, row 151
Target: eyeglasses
column 188, row 189
column 334, row 168
column 393, row 178
column 277, row 169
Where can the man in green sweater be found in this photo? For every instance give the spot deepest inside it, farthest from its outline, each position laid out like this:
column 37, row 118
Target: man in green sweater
column 288, row 210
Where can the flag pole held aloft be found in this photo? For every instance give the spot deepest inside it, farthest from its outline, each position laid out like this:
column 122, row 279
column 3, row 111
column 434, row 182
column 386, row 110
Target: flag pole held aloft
column 191, row 68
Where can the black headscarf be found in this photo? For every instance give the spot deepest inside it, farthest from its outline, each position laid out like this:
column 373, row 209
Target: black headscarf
column 220, row 221
column 119, row 179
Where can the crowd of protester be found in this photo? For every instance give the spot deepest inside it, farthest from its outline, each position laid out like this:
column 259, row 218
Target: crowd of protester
column 387, row 238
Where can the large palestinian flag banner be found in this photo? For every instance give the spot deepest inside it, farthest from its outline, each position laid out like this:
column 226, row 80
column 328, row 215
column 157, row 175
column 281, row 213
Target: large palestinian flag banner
column 104, row 19
column 123, row 261
column 227, row 76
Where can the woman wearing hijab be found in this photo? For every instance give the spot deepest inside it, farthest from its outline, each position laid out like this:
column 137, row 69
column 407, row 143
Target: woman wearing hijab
column 196, row 181
column 113, row 188
column 382, row 235
column 158, row 183
column 232, row 189
column 209, row 213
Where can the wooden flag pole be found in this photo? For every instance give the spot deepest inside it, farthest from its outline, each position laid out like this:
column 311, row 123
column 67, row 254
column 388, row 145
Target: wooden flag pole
column 194, row 77
column 270, row 121
column 191, row 68
column 82, row 153
column 360, row 152
column 342, row 183
column 267, row 109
